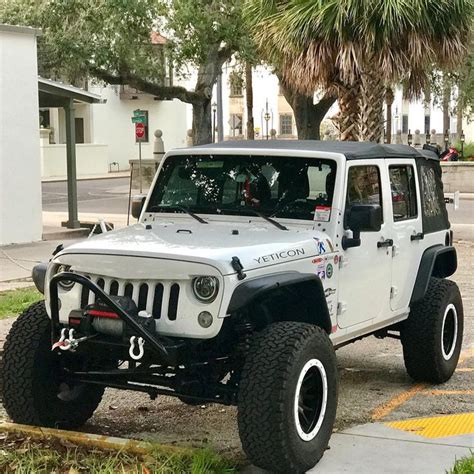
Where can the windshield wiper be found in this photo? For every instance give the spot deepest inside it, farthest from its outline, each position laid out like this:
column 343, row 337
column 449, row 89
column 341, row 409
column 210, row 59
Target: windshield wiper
column 268, row 219
column 179, row 208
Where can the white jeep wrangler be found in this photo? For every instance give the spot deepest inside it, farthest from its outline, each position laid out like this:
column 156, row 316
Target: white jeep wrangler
column 251, row 262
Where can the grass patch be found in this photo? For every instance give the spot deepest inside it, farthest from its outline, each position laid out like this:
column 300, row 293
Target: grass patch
column 13, row 302
column 19, row 454
column 464, row 465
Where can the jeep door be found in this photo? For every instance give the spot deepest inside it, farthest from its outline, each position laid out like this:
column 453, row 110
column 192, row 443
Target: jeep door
column 405, row 215
column 365, row 274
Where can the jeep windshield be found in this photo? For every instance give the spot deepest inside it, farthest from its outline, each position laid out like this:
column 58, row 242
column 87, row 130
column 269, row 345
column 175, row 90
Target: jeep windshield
column 285, row 187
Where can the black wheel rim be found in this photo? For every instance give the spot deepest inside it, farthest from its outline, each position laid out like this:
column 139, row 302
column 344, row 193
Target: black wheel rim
column 449, row 331
column 310, row 399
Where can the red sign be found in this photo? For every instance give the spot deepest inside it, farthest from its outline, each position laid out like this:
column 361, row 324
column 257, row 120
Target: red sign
column 139, row 131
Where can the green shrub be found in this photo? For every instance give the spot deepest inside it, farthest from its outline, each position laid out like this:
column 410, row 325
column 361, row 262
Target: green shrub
column 468, row 149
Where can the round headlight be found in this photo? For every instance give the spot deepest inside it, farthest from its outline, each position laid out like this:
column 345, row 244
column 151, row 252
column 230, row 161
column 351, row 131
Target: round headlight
column 206, row 288
column 65, row 284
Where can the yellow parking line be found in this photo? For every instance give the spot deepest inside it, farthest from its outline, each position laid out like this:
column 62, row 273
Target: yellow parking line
column 383, row 410
column 465, row 369
column 449, row 392
column 438, row 426
column 386, row 408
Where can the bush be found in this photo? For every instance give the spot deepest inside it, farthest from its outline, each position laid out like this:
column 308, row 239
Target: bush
column 468, row 149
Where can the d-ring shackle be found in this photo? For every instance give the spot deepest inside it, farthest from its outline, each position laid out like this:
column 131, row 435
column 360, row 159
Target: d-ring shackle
column 141, row 351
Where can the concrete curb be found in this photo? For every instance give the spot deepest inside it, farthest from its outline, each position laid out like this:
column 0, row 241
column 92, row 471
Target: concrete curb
column 99, row 441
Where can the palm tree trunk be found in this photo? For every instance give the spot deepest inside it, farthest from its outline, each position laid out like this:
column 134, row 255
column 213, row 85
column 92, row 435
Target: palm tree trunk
column 388, row 124
column 372, row 91
column 347, row 119
column 249, row 100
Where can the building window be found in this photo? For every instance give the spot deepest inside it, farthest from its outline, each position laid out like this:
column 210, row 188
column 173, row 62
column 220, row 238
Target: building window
column 286, row 124
column 427, row 123
column 235, row 123
column 405, row 123
column 79, row 129
column 236, row 84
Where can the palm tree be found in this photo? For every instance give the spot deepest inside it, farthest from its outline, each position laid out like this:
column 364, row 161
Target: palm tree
column 360, row 46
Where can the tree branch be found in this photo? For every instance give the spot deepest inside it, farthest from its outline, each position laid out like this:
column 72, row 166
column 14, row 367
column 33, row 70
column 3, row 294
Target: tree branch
column 160, row 92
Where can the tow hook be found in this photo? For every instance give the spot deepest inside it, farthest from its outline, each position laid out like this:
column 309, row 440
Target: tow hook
column 67, row 342
column 141, row 351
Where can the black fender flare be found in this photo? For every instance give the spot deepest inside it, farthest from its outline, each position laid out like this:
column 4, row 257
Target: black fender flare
column 251, row 290
column 437, row 261
column 39, row 275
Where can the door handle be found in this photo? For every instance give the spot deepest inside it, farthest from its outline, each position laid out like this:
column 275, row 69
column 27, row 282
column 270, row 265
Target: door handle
column 419, row 236
column 385, row 243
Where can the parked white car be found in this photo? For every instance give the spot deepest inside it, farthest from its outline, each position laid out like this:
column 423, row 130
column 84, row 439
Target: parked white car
column 251, row 262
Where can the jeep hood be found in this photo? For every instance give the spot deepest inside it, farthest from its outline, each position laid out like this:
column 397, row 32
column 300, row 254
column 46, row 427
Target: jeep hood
column 214, row 243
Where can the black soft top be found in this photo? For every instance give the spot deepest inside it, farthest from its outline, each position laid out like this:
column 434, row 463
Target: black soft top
column 351, row 150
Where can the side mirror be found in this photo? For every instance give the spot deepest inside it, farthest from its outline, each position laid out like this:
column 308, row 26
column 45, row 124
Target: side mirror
column 362, row 218
column 137, row 205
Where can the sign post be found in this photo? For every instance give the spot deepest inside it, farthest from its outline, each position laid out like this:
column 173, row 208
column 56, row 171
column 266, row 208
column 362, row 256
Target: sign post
column 140, row 120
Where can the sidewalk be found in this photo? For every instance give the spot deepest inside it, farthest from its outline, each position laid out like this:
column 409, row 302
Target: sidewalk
column 375, row 447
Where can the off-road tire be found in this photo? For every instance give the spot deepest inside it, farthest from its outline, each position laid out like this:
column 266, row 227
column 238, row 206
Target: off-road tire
column 29, row 381
column 267, row 390
column 421, row 334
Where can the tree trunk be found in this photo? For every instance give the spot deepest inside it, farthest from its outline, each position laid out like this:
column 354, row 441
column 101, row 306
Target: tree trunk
column 372, row 91
column 202, row 107
column 249, row 100
column 388, row 124
column 202, row 122
column 446, row 100
column 347, row 119
column 308, row 116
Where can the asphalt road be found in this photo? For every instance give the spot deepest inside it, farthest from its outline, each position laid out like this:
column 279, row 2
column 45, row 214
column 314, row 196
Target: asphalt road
column 96, row 195
column 111, row 196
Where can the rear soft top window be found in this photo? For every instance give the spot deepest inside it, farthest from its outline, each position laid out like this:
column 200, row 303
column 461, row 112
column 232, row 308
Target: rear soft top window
column 434, row 213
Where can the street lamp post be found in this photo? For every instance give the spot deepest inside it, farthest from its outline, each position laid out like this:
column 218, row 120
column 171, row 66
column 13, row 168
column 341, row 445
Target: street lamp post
column 446, row 139
column 214, row 112
column 463, row 139
column 267, row 117
column 428, row 137
column 410, row 138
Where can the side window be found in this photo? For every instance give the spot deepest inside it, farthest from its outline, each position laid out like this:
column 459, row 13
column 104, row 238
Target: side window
column 363, row 187
column 403, row 190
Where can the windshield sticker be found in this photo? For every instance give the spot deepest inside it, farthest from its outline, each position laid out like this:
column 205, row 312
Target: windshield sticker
column 280, row 255
column 322, row 213
column 329, row 270
column 321, row 274
column 209, row 164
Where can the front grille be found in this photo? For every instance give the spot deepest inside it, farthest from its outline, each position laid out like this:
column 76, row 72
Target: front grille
column 159, row 298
